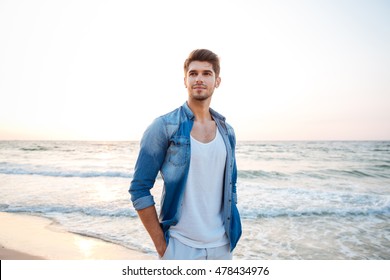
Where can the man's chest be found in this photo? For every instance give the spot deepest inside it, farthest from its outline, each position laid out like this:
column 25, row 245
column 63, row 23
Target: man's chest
column 204, row 132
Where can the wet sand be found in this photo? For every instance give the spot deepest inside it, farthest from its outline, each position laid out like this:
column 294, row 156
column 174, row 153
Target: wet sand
column 26, row 237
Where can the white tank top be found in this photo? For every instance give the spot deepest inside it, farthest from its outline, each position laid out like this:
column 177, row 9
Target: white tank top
column 200, row 224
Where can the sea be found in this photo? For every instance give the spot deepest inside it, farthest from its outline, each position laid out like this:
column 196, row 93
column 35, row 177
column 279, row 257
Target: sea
column 325, row 200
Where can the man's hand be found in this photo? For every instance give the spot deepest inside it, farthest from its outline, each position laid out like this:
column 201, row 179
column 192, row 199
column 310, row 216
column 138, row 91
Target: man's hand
column 161, row 249
column 151, row 223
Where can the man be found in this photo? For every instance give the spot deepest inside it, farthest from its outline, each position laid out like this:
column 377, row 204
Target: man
column 194, row 150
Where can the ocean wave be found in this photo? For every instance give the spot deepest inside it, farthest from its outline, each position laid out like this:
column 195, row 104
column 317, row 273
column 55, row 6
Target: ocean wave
column 344, row 212
column 12, row 170
column 35, row 149
column 382, row 166
column 245, row 213
column 310, row 201
column 377, row 171
column 251, row 174
column 357, row 173
column 88, row 211
column 382, row 149
column 354, row 173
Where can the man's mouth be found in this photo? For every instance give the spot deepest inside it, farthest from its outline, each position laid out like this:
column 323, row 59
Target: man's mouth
column 199, row 87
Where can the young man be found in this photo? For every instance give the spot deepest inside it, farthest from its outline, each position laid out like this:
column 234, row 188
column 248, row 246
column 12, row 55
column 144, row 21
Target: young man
column 194, row 150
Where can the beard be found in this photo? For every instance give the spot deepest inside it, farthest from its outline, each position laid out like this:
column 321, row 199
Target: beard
column 200, row 95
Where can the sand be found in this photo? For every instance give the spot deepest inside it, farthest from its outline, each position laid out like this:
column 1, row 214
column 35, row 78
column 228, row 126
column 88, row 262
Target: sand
column 26, row 237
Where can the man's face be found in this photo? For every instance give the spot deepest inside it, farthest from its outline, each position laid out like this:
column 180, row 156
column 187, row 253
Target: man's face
column 200, row 80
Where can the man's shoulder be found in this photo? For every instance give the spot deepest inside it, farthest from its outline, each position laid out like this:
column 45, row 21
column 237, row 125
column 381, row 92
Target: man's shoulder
column 170, row 122
column 230, row 131
column 222, row 119
column 175, row 116
column 229, row 127
column 172, row 113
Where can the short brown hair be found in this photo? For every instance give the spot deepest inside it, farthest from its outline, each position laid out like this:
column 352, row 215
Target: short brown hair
column 203, row 55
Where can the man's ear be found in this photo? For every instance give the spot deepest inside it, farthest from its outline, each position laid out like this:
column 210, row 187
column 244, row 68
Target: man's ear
column 217, row 82
column 185, row 84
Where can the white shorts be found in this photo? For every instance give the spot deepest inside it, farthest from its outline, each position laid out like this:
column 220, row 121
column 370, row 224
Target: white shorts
column 179, row 251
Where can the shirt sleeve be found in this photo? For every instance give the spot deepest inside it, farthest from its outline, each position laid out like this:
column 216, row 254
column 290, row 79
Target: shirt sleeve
column 153, row 148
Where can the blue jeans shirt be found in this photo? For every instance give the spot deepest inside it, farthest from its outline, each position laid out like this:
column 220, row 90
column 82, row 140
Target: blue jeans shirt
column 165, row 148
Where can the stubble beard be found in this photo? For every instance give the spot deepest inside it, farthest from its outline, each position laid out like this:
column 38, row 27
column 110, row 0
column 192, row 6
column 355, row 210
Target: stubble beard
column 201, row 96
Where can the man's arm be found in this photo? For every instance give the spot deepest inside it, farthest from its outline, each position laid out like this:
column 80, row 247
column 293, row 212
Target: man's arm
column 154, row 145
column 151, row 223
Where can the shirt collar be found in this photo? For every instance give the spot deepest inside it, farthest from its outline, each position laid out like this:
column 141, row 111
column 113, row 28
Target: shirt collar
column 191, row 116
column 188, row 111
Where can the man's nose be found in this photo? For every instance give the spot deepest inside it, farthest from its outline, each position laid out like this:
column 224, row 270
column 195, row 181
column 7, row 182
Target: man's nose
column 199, row 79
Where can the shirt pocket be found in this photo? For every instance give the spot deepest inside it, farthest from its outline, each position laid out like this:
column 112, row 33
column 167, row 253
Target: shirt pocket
column 179, row 150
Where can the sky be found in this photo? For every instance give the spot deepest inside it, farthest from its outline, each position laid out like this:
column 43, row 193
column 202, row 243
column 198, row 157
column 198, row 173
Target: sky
column 103, row 70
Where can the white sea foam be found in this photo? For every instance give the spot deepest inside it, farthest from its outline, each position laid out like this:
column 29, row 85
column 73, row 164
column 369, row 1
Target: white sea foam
column 15, row 169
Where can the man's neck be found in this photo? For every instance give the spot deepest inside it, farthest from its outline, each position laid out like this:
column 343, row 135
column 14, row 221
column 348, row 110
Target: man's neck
column 201, row 109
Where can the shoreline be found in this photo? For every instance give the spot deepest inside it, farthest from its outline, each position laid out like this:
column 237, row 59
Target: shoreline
column 27, row 237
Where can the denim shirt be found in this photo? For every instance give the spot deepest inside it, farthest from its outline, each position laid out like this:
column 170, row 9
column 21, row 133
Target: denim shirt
column 165, row 148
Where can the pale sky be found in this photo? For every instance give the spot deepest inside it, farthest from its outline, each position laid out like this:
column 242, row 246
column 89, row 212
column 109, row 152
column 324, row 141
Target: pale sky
column 103, row 70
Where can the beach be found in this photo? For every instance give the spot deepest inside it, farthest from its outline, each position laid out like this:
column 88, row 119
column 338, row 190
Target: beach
column 7, row 254
column 26, row 237
column 297, row 200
